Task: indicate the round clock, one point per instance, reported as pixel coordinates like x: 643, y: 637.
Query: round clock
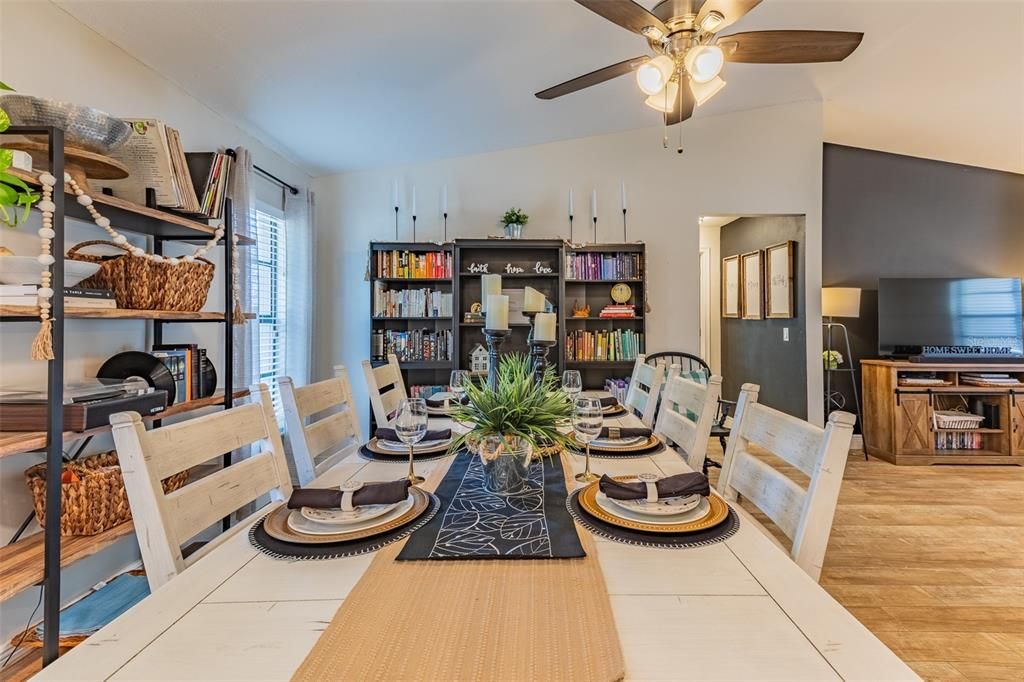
x: 621, y: 292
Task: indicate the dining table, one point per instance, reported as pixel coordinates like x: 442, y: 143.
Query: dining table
x: 739, y: 609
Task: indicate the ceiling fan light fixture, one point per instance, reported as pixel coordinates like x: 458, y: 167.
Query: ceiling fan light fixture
x: 702, y: 92
x: 652, y: 33
x: 712, y: 21
x: 653, y: 75
x: 665, y: 100
x: 704, y: 62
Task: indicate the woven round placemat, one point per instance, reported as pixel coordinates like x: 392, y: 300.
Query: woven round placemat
x: 279, y: 549
x: 398, y: 458
x: 624, y: 454
x: 722, y: 531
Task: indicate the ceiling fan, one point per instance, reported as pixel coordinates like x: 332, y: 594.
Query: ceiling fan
x: 689, y: 53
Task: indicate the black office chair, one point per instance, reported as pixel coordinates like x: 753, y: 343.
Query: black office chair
x: 692, y: 363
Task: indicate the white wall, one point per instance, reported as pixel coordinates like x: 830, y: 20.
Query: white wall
x: 43, y: 51
x: 762, y: 161
x: 711, y: 239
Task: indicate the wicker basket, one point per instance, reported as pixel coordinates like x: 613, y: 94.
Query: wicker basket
x: 142, y: 284
x: 97, y: 501
x: 954, y: 420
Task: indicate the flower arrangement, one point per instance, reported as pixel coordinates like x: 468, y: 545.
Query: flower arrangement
x: 13, y: 192
x: 832, y: 359
x: 515, y: 216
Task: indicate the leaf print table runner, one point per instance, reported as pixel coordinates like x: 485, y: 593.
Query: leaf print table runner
x: 475, y: 523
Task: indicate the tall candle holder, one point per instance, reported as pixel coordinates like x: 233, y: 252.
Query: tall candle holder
x: 495, y: 338
x: 624, y: 240
x: 446, y: 226
x: 530, y: 316
x: 595, y: 229
x: 539, y: 354
x: 414, y: 227
x: 396, y: 223
x: 570, y: 228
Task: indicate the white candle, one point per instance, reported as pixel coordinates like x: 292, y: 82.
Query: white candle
x: 544, y: 327
x: 394, y: 194
x: 414, y: 199
x: 444, y: 199
x: 533, y: 300
x: 571, y: 211
x: 497, y: 312
x: 624, y: 196
x: 593, y: 204
x: 490, y: 285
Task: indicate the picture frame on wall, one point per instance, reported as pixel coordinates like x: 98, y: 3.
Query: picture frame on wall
x: 731, y: 286
x: 779, y: 290
x: 752, y: 285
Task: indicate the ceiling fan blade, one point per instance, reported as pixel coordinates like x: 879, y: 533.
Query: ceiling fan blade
x: 731, y: 10
x: 592, y: 78
x: 789, y: 47
x: 681, y: 113
x: 626, y: 14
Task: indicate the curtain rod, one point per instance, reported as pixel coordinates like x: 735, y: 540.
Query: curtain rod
x: 291, y: 188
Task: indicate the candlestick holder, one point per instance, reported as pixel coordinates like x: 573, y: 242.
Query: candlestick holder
x: 396, y: 223
x: 595, y: 229
x: 570, y: 228
x: 624, y: 240
x: 530, y: 315
x: 446, y: 226
x: 414, y: 227
x: 539, y: 354
x: 495, y: 338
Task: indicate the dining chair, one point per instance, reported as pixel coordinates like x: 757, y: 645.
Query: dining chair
x: 164, y: 522
x: 321, y: 423
x: 386, y: 387
x: 686, y: 415
x: 804, y: 515
x: 645, y: 389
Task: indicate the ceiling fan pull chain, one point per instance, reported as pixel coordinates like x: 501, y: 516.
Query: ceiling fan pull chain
x: 679, y: 149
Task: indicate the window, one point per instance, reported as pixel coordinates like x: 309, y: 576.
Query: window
x: 269, y: 298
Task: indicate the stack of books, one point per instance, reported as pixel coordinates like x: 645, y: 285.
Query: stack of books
x: 74, y: 297
x: 409, y: 265
x: 586, y: 346
x: 410, y: 302
x: 610, y: 266
x: 416, y: 344
x: 989, y: 379
x: 421, y: 391
x: 618, y: 310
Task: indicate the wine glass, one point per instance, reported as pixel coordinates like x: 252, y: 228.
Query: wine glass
x: 411, y: 427
x: 457, y: 383
x: 587, y: 420
x: 572, y: 383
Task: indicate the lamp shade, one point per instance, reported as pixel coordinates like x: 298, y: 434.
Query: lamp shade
x: 840, y: 302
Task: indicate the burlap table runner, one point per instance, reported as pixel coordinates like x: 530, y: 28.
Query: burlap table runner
x: 472, y: 620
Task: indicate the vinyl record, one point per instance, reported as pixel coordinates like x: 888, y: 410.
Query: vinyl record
x: 209, y: 373
x: 137, y: 365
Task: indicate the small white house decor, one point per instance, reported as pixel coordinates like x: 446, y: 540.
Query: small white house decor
x: 478, y: 361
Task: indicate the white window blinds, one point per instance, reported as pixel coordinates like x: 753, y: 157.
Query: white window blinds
x: 270, y: 258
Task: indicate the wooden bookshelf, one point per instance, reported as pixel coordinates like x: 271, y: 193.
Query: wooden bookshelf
x: 12, y: 312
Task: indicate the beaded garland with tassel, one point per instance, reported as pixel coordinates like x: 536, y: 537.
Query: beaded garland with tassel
x: 42, y: 345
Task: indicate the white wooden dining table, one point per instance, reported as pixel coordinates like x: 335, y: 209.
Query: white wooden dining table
x: 737, y: 610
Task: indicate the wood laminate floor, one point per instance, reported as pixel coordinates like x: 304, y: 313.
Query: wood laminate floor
x: 931, y: 559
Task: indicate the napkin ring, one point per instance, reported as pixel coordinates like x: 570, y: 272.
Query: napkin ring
x: 651, y: 481
x: 614, y: 433
x: 348, y: 491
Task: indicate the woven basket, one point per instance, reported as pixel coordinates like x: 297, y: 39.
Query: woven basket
x: 98, y: 501
x: 142, y: 284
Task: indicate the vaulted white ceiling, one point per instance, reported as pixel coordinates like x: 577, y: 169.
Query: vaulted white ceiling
x: 352, y: 84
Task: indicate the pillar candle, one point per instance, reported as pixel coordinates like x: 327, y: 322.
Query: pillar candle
x: 394, y: 194
x: 533, y: 300
x: 544, y: 327
x: 490, y: 285
x: 593, y: 204
x: 571, y: 211
x: 444, y: 199
x: 624, y: 207
x: 497, y: 312
x: 414, y: 199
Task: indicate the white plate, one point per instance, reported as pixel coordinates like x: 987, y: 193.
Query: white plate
x: 618, y: 442
x: 402, y: 447
x: 698, y: 512
x: 338, y: 517
x: 667, y: 506
x: 26, y: 270
x: 300, y: 524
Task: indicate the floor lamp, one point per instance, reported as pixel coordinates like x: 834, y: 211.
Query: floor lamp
x: 841, y: 302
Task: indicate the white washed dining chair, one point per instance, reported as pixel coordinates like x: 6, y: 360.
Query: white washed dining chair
x: 321, y: 423
x: 164, y: 522
x: 804, y: 515
x: 386, y: 388
x: 687, y: 414
x: 645, y: 389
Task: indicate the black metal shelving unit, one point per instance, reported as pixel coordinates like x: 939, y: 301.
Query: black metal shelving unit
x: 141, y: 222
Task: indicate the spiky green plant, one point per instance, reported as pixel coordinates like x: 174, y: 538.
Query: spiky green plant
x: 520, y: 410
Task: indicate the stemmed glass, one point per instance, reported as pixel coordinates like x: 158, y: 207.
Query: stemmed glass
x: 411, y: 427
x: 572, y: 383
x: 587, y: 420
x: 457, y: 383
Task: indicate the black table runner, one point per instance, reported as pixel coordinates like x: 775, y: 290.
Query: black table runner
x: 475, y: 523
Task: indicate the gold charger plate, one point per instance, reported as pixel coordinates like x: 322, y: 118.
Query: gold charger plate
x: 276, y: 524
x: 613, y: 410
x: 651, y: 442
x: 717, y: 513
x: 416, y: 450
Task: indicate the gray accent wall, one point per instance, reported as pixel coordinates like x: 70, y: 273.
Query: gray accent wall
x: 753, y: 351
x: 886, y: 215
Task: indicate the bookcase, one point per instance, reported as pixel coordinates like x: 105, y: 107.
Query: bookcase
x: 437, y: 300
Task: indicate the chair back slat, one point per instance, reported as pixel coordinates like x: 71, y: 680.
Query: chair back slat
x: 317, y: 445
x: 687, y: 415
x: 385, y: 387
x: 645, y: 389
x: 805, y: 516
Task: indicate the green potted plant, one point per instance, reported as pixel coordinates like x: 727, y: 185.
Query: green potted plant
x: 510, y: 424
x: 832, y: 359
x: 514, y: 221
x: 14, y: 193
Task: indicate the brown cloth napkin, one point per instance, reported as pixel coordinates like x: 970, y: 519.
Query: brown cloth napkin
x: 624, y: 432
x: 330, y: 498
x: 439, y: 402
x: 680, y: 485
x: 610, y: 401
x: 389, y: 434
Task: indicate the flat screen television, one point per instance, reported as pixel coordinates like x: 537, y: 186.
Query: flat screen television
x: 968, y: 318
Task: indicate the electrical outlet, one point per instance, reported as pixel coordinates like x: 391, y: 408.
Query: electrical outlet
x: 785, y: 333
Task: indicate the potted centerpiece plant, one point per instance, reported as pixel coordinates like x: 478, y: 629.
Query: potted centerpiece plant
x: 14, y: 193
x: 514, y: 220
x: 511, y: 423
